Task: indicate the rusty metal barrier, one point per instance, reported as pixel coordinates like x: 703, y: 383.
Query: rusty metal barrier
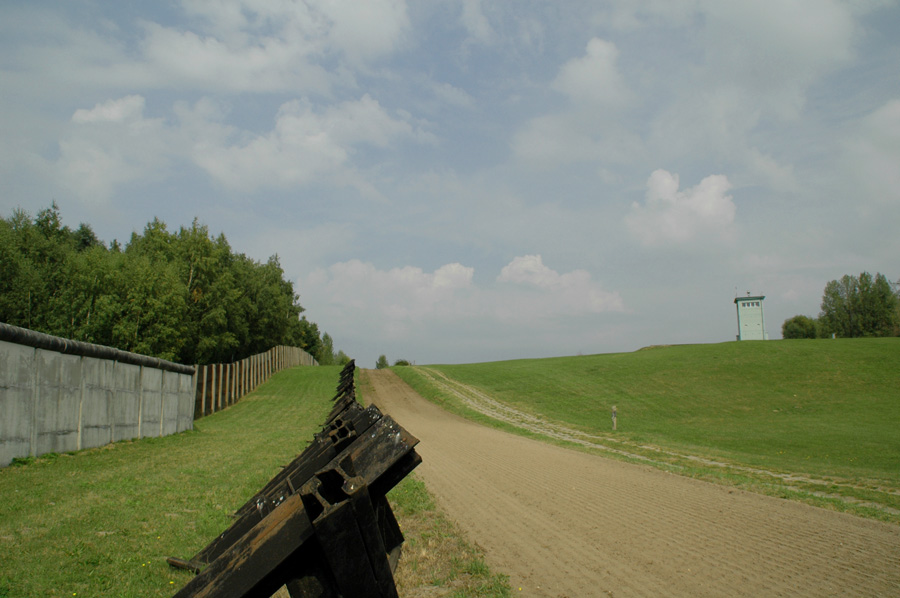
x: 322, y: 526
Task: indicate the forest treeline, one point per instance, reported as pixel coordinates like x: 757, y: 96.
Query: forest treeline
x: 183, y: 295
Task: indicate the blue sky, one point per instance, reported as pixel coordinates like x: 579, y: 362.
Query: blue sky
x: 457, y: 180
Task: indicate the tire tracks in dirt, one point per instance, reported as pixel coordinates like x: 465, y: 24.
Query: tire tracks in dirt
x: 563, y: 523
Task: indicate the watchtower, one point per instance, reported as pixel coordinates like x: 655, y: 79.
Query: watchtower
x: 751, y: 322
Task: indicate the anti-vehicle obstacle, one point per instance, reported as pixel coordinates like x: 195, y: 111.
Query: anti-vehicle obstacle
x: 322, y: 526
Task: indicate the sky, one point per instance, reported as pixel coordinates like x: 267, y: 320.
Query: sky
x: 457, y: 181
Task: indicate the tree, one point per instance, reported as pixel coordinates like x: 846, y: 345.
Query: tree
x: 325, y: 356
x: 342, y: 358
x: 799, y: 327
x: 308, y: 337
x: 182, y: 296
x: 859, y: 306
x: 896, y: 287
x: 382, y: 362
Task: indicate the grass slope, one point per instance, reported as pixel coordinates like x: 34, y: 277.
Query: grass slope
x: 819, y: 407
x: 101, y: 522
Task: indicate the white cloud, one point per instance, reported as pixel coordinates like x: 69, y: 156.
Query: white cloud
x: 113, y: 144
x: 588, y: 128
x: 764, y: 167
x: 187, y: 59
x: 873, y: 154
x: 129, y: 108
x: 110, y: 145
x: 529, y: 269
x: 774, y: 49
x: 569, y: 294
x: 392, y: 301
x: 454, y: 96
x: 407, y: 299
x: 259, y: 46
x: 475, y: 22
x: 769, y: 51
x: 593, y: 79
x: 364, y: 31
x: 568, y: 137
x: 672, y: 216
x: 736, y: 70
x: 452, y: 276
x: 305, y: 144
x: 409, y: 312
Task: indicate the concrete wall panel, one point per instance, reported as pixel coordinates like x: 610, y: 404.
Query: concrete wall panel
x: 96, y: 404
x: 151, y: 402
x: 169, y: 403
x: 16, y: 401
x: 186, y: 402
x: 56, y: 412
x: 126, y: 401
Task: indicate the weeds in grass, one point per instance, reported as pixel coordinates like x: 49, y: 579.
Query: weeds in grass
x: 437, y: 559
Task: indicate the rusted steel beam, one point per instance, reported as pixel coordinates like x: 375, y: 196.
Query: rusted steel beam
x: 352, y: 545
x: 384, y: 443
x: 255, y: 555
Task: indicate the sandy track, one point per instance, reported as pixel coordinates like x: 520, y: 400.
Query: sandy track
x: 563, y: 523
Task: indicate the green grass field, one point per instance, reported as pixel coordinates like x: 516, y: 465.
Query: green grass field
x: 828, y: 409
x: 101, y: 522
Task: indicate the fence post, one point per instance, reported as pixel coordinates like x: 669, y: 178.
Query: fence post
x: 202, y: 383
x: 196, y: 383
x: 210, y: 380
x: 231, y: 382
x: 227, y: 400
x: 231, y: 368
x: 241, y: 378
x: 221, y: 369
x: 212, y: 389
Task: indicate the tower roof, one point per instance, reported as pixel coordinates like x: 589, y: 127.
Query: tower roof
x: 749, y: 298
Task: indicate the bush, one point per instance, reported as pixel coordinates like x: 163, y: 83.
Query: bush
x: 799, y: 327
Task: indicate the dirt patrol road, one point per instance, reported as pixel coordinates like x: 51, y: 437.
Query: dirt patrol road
x: 562, y: 523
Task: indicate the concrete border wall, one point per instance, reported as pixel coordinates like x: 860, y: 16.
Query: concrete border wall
x: 59, y: 396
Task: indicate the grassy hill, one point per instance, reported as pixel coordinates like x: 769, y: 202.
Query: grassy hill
x: 828, y: 409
